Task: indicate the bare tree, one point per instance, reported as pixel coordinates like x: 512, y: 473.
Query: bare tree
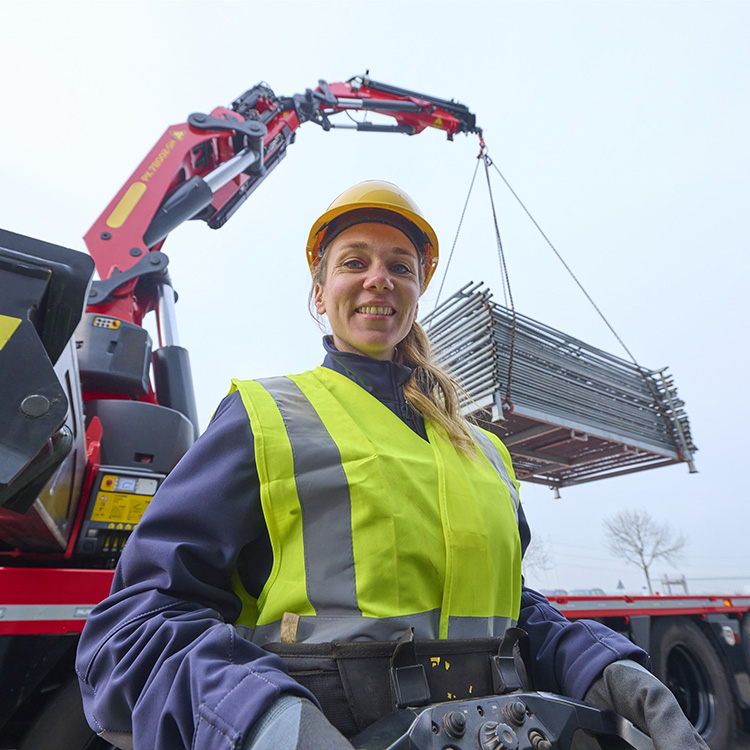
x: 636, y: 537
x: 536, y: 560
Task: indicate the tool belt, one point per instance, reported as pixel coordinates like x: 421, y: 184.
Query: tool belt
x: 358, y: 683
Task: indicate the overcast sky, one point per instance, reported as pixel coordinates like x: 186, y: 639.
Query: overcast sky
x: 623, y: 126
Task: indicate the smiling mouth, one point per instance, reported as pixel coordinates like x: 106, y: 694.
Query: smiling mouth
x: 375, y: 310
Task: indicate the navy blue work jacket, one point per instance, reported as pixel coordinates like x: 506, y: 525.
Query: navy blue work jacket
x: 160, y: 657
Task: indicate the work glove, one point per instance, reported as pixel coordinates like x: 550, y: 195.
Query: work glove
x: 633, y: 692
x: 293, y: 723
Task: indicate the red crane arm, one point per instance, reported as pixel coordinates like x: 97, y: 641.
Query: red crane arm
x: 207, y: 167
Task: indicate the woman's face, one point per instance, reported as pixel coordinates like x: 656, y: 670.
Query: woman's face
x: 371, y: 289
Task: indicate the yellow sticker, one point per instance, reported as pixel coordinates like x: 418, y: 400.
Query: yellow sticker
x: 8, y: 327
x: 447, y: 665
x: 435, y: 660
x: 126, y: 205
x: 178, y: 134
x: 118, y: 508
x: 437, y: 122
x: 111, y: 323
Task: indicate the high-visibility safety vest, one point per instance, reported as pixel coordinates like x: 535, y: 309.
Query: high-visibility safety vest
x: 373, y: 529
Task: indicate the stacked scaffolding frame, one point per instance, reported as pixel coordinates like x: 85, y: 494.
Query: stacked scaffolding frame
x: 578, y: 413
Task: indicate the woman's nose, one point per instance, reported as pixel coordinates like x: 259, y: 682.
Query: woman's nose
x: 378, y: 277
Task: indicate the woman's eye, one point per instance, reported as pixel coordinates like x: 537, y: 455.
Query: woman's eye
x: 402, y: 268
x: 354, y: 264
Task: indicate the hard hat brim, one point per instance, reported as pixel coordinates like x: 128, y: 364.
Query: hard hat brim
x: 318, y: 231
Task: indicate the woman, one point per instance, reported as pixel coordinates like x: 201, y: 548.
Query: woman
x: 349, y: 503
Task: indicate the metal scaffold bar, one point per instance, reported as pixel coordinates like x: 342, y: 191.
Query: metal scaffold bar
x: 578, y: 413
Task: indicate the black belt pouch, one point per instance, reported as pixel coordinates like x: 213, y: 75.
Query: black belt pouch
x: 351, y: 681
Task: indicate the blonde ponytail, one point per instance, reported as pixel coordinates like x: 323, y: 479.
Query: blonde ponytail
x: 432, y: 391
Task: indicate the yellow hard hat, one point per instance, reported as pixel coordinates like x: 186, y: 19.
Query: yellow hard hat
x: 373, y: 199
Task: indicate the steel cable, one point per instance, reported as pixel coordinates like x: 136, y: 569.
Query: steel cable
x: 455, y: 239
x: 641, y: 370
x: 507, y: 403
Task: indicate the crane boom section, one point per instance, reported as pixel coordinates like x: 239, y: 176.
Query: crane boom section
x: 207, y: 167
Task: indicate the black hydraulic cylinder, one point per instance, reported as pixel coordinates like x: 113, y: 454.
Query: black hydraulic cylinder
x: 173, y: 381
x: 185, y: 202
x: 458, y: 110
x: 390, y: 106
x: 371, y: 127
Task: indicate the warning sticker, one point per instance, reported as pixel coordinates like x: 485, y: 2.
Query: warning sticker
x: 8, y: 327
x: 119, y: 507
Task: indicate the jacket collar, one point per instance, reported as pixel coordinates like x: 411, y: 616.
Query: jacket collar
x: 382, y: 378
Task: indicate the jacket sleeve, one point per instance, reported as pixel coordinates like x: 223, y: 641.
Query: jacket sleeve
x: 567, y: 657
x: 161, y: 649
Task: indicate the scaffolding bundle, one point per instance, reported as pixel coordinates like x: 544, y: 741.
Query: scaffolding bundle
x: 572, y: 413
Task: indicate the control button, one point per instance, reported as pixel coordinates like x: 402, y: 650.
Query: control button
x: 516, y: 712
x: 539, y: 741
x: 126, y: 484
x: 494, y: 736
x: 146, y: 486
x: 454, y: 723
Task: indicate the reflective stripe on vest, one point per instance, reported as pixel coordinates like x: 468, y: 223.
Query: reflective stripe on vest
x: 496, y: 458
x: 369, y: 523
x: 315, y: 629
x: 331, y: 587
